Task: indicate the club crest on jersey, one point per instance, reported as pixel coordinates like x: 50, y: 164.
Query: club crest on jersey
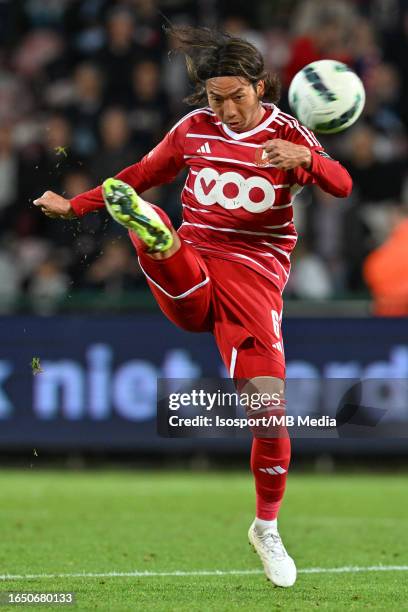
x: 231, y: 190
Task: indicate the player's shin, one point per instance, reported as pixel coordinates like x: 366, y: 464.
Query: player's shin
x: 271, y: 448
x: 270, y: 458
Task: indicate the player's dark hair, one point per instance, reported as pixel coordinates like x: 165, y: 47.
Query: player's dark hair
x: 210, y: 53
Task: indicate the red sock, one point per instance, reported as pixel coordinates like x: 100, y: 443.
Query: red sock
x: 270, y: 458
x: 175, y: 274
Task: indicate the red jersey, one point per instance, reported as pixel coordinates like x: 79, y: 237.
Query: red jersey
x: 233, y: 208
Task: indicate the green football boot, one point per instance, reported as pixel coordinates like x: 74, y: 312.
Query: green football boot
x: 128, y: 209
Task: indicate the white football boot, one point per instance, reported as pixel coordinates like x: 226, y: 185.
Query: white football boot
x: 278, y: 565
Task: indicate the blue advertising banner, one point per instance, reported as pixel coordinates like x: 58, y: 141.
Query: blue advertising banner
x: 97, y: 387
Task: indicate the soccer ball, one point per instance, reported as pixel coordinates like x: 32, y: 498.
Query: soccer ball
x: 326, y: 96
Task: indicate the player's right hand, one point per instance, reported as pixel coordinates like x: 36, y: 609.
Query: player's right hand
x: 55, y: 206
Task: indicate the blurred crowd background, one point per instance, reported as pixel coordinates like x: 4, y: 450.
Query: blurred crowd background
x: 89, y: 86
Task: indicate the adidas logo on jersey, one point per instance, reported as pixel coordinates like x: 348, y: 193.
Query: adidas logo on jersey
x: 205, y: 148
x: 276, y: 469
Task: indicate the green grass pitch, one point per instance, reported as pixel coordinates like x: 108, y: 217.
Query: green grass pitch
x: 112, y: 521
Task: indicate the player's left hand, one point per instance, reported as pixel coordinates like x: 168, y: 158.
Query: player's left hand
x: 286, y: 155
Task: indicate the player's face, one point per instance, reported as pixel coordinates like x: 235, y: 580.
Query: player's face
x: 236, y: 102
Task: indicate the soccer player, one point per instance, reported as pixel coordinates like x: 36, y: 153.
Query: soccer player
x: 225, y: 268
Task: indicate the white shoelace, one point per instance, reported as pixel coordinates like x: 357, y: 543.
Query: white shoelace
x: 273, y: 544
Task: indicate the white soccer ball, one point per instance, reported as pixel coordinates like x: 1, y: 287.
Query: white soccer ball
x: 326, y: 96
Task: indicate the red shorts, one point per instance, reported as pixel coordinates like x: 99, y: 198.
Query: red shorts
x: 240, y: 307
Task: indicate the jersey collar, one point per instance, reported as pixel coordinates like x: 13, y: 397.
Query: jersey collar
x: 255, y: 130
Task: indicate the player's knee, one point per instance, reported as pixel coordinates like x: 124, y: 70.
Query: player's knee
x: 265, y: 407
x: 268, y: 388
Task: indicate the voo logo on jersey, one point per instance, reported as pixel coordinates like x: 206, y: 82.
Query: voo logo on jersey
x: 231, y: 190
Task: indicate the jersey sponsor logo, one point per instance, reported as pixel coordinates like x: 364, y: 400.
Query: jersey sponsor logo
x: 231, y: 190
